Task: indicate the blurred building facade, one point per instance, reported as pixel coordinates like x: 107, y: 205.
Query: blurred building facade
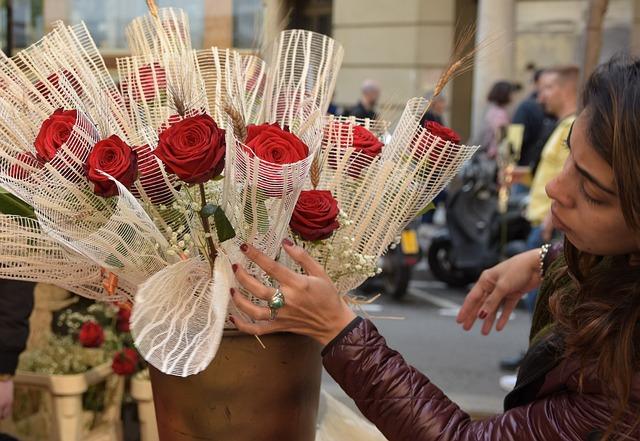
x: 404, y: 45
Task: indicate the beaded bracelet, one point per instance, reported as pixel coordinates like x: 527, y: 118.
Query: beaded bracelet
x: 544, y: 249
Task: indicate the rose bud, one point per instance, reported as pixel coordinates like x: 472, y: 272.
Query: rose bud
x: 114, y: 157
x: 315, y: 215
x: 91, y: 335
x: 125, y: 362
x: 193, y: 149
x: 54, y: 132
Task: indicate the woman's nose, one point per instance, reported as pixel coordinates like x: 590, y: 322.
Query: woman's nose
x: 558, y: 189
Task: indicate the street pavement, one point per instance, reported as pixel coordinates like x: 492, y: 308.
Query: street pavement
x: 463, y: 364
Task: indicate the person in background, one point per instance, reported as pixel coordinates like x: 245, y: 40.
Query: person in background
x: 16, y: 304
x: 436, y: 109
x: 558, y: 94
x: 496, y: 118
x: 538, y: 125
x: 366, y: 107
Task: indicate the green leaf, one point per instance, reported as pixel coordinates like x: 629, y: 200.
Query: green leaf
x: 428, y: 208
x: 10, y: 204
x: 224, y: 229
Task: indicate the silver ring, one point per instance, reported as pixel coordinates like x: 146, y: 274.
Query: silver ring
x: 277, y: 301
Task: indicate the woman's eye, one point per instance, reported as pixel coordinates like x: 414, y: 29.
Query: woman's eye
x: 588, y: 198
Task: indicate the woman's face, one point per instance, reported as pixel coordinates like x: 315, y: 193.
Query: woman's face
x: 585, y: 204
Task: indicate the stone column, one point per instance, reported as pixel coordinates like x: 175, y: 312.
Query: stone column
x: 635, y: 29
x: 496, y: 23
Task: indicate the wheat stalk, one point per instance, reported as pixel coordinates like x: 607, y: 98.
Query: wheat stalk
x: 153, y: 8
x: 239, y: 126
x: 461, y: 61
x: 315, y: 172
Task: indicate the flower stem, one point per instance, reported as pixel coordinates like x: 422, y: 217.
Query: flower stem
x: 213, y: 253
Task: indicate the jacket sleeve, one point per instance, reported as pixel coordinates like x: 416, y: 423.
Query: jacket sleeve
x: 405, y: 405
x: 16, y: 304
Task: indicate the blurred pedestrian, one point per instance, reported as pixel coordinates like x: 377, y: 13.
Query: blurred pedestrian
x: 538, y: 125
x: 16, y: 304
x: 366, y: 107
x: 496, y: 118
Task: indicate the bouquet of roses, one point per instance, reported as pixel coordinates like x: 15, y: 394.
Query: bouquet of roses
x: 142, y: 194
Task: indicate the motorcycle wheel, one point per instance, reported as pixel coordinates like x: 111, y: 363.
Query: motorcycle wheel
x: 442, y: 268
x: 396, y: 276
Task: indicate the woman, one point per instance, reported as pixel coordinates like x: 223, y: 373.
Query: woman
x: 496, y: 118
x: 581, y: 377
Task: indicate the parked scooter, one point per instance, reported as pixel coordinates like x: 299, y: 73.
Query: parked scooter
x: 477, y: 232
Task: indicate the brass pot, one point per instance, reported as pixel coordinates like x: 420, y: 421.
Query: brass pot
x: 246, y: 394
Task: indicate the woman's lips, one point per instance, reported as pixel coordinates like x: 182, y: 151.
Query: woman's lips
x: 557, y: 222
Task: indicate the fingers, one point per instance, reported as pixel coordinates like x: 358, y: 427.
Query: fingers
x: 488, y: 323
x: 252, y: 285
x: 251, y: 310
x: 258, y: 328
x: 493, y: 301
x: 302, y: 258
x: 5, y: 412
x: 507, y: 309
x: 474, y: 300
x: 271, y: 267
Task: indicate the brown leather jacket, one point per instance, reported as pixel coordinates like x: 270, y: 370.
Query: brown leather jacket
x: 546, y: 404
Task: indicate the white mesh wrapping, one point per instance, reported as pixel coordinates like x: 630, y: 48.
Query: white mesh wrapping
x: 380, y: 196
x: 179, y: 315
x: 221, y: 71
x: 253, y: 88
x: 259, y: 196
x: 169, y: 32
x: 27, y: 253
x: 157, y: 88
x: 151, y: 236
x: 305, y: 68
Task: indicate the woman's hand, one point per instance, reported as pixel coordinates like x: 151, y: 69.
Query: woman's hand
x: 500, y: 286
x: 313, y: 306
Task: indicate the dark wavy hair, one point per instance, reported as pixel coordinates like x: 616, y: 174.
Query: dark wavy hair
x: 599, y: 317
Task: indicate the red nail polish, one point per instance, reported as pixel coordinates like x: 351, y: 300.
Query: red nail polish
x: 287, y: 242
x: 234, y: 267
x: 232, y: 320
x: 232, y: 291
x: 482, y: 315
x: 244, y: 247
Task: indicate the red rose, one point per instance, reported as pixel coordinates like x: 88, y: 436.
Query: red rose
x: 54, y: 81
x: 115, y: 157
x: 152, y: 180
x: 314, y: 216
x: 22, y: 169
x: 445, y: 133
x: 150, y: 75
x: 54, y: 132
x: 436, y: 146
x: 124, y: 316
x: 91, y: 335
x: 273, y: 144
x: 125, y: 362
x: 365, y: 144
x: 193, y: 149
